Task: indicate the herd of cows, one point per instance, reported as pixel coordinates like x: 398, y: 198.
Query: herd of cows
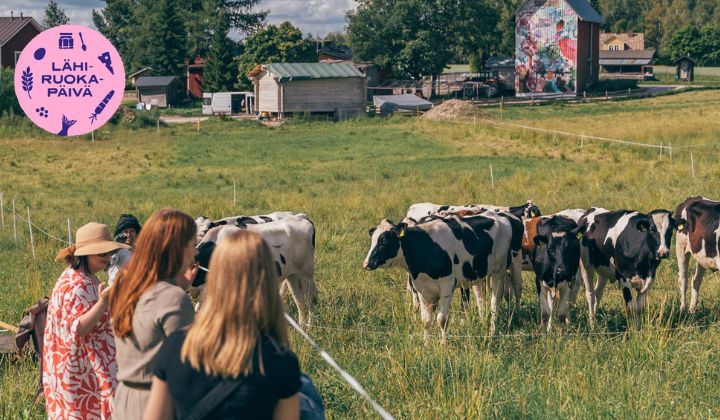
x: 444, y: 248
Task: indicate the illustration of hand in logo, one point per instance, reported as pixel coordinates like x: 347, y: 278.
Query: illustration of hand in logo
x: 66, y: 124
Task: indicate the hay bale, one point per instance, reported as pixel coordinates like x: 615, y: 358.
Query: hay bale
x: 454, y: 109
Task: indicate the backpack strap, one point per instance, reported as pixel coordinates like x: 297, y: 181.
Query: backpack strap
x: 212, y: 399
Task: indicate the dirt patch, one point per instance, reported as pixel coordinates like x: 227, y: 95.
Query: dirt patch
x: 454, y: 109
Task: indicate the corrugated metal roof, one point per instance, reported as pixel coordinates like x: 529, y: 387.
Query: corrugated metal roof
x: 152, y: 81
x: 303, y: 71
x: 626, y: 62
x: 627, y: 54
x: 9, y: 26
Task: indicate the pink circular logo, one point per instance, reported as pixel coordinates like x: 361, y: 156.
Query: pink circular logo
x: 69, y: 80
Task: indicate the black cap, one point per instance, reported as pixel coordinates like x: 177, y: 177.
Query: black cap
x: 127, y: 221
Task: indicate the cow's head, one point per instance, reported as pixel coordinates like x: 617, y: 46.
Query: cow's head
x: 664, y: 223
x: 202, y: 257
x: 526, y: 211
x: 384, y: 245
x: 203, y: 225
x: 556, y: 256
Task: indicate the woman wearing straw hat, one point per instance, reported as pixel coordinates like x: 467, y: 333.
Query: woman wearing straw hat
x: 235, y: 359
x: 79, y: 355
x: 149, y: 302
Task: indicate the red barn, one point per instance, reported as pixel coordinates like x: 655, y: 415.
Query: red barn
x: 15, y: 34
x: 194, y: 77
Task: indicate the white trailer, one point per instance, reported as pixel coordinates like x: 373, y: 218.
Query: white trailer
x: 228, y: 103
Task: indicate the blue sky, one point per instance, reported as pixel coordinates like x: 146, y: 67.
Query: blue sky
x: 312, y: 16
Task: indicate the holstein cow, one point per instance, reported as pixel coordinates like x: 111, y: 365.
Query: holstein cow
x: 292, y: 243
x: 204, y: 224
x: 699, y: 236
x: 441, y: 253
x: 623, y: 245
x: 555, y: 259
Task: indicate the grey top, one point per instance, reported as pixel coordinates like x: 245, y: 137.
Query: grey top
x: 118, y: 260
x: 160, y: 311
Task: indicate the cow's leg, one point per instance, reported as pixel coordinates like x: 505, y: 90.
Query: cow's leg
x: 443, y: 316
x: 682, y: 258
x: 575, y: 289
x: 564, y: 305
x: 298, y: 288
x: 545, y: 309
x: 630, y: 304
x: 696, y: 282
x: 413, y: 292
x: 498, y: 279
x: 426, y: 316
x: 478, y: 288
x: 640, y: 307
x: 516, y: 272
x: 587, y: 273
x: 599, y: 290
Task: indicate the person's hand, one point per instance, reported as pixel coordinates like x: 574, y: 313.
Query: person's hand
x: 104, y: 292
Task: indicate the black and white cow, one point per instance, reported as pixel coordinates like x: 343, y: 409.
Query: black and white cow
x: 204, y: 224
x: 626, y: 246
x: 419, y: 210
x: 292, y: 243
x: 555, y: 260
x: 698, y: 235
x: 440, y: 254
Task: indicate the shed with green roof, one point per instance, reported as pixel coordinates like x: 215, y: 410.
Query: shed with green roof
x: 335, y: 89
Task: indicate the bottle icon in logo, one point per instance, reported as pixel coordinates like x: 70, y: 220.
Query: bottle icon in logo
x: 65, y: 41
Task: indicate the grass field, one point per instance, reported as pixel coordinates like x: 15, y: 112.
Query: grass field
x: 347, y: 176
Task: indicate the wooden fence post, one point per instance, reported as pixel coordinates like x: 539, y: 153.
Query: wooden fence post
x: 692, y: 164
x: 32, y: 240
x: 2, y: 210
x: 14, y: 221
x: 492, y: 177
x: 69, y: 233
x: 234, y: 193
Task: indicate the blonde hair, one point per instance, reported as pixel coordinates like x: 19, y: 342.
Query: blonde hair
x: 241, y: 303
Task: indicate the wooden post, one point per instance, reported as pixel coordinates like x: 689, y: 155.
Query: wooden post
x: 584, y: 95
x: 474, y: 121
x: 661, y: 147
x: 692, y: 164
x: 69, y: 233
x: 158, y: 125
x: 234, y: 193
x: 198, y: 126
x: 492, y: 177
x: 502, y: 106
x: 92, y: 135
x: 670, y: 149
x: 606, y: 94
x: 2, y: 210
x: 32, y: 240
x: 582, y: 139
x: 14, y: 221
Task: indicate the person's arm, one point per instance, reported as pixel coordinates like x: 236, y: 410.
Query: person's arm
x: 159, y: 404
x: 88, y: 320
x: 287, y: 408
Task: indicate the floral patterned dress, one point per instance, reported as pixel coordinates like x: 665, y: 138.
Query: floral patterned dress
x: 80, y: 373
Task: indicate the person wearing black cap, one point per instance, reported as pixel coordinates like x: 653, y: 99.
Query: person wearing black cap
x: 126, y: 231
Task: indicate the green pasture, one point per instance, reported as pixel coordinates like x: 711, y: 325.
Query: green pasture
x: 347, y: 177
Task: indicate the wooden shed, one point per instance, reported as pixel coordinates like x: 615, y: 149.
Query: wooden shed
x: 162, y: 91
x: 336, y: 89
x: 556, y: 47
x: 685, y: 69
x: 15, y: 34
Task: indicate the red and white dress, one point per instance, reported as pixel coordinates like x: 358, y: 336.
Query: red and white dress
x: 79, y: 373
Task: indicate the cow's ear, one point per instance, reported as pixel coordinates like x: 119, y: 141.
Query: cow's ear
x: 578, y: 231
x: 643, y: 225
x: 679, y: 224
x: 371, y: 231
x: 540, y: 241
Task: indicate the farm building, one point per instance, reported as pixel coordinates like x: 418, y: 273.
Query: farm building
x: 15, y: 34
x: 160, y: 91
x: 195, y: 77
x: 140, y: 73
x: 622, y: 41
x: 684, y: 69
x: 556, y: 47
x: 337, y: 89
x: 626, y: 64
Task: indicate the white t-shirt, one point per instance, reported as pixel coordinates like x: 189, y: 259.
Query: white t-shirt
x: 117, y: 262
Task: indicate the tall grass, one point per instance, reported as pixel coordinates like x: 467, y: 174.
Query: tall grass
x: 347, y: 176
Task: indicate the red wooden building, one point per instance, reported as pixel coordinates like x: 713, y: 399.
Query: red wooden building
x: 15, y: 34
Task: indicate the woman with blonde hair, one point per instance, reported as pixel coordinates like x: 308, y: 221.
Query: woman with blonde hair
x: 235, y: 360
x: 79, y: 351
x: 149, y: 303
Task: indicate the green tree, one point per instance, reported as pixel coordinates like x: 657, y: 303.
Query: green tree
x: 118, y: 22
x: 273, y: 44
x: 710, y: 46
x: 686, y: 42
x: 220, y: 71
x: 8, y: 100
x: 157, y: 42
x: 54, y: 15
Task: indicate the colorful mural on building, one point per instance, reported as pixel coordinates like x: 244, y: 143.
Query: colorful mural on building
x: 546, y: 48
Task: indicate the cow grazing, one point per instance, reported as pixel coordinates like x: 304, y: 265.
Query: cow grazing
x: 204, y: 224
x: 622, y: 245
x: 555, y: 260
x: 292, y: 243
x: 440, y: 254
x: 698, y: 220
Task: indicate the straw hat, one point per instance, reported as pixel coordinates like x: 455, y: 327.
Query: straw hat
x: 94, y: 238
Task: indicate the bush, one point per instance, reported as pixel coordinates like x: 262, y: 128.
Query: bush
x: 8, y: 101
x: 613, y: 85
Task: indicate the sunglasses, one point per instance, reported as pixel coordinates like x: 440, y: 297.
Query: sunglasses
x: 106, y: 254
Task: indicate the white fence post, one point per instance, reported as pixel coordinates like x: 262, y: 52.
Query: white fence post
x: 670, y: 149
x: 69, y: 233
x: 582, y: 139
x: 2, y: 210
x: 32, y: 240
x: 14, y: 221
x: 234, y: 193
x: 661, y: 147
x: 492, y: 177
x: 692, y: 164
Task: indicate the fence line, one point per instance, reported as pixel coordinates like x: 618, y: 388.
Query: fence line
x: 38, y: 228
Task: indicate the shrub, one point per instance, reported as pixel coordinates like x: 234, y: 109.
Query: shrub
x: 8, y: 101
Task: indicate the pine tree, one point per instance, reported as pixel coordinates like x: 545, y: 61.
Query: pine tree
x: 220, y: 71
x: 157, y: 42
x: 54, y: 16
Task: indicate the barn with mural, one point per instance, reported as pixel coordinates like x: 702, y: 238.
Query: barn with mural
x: 557, y: 44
